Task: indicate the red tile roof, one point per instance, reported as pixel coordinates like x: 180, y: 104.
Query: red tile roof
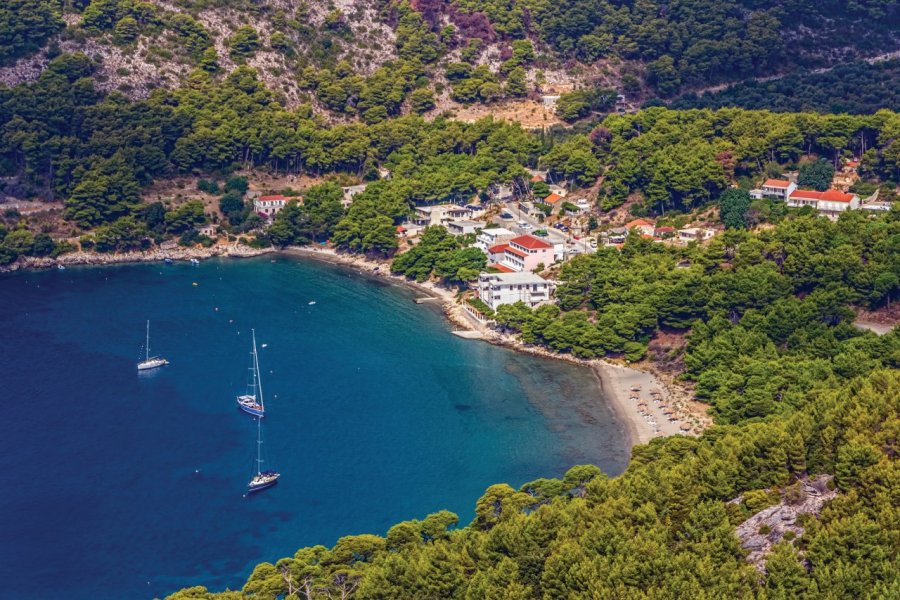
x: 638, y: 223
x: 536, y: 178
x: 837, y: 196
x: 518, y: 253
x: 502, y: 268
x: 830, y: 195
x: 552, y: 198
x: 498, y: 248
x: 665, y: 229
x: 530, y: 242
x: 777, y: 183
x: 400, y: 228
x: 273, y: 197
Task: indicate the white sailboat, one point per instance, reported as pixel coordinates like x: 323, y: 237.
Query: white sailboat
x: 150, y: 362
x: 252, y: 402
x: 262, y: 479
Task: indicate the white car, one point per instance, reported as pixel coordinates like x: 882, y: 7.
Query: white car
x: 524, y: 225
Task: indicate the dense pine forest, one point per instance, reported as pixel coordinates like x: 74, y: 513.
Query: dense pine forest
x: 100, y: 99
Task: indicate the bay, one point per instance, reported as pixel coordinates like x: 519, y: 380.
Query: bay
x: 115, y: 485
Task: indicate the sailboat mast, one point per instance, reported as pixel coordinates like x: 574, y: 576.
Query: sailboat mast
x: 147, y: 345
x: 256, y: 369
x: 258, y: 445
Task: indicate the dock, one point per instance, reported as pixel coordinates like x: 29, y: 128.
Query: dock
x: 426, y: 299
x: 468, y: 335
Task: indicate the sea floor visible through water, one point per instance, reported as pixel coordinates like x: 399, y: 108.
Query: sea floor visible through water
x: 120, y: 485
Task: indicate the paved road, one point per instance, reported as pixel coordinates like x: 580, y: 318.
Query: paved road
x: 555, y: 236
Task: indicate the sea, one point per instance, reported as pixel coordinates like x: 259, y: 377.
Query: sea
x: 115, y: 484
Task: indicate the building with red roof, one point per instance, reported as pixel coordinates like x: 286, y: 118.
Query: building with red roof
x: 643, y: 226
x: 776, y: 189
x: 829, y: 203
x: 552, y: 199
x: 523, y: 253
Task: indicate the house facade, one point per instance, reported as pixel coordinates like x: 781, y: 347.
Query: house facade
x: 776, y: 189
x: 269, y: 206
x: 524, y: 253
x: 496, y: 289
x: 464, y: 227
x: 644, y: 227
x: 441, y: 214
x: 493, y: 236
x: 695, y: 234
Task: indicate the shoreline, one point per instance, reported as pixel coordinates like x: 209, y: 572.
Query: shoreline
x: 660, y: 414
x: 626, y: 388
x: 90, y: 258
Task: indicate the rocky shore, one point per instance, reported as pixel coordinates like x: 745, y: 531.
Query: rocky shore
x: 177, y: 253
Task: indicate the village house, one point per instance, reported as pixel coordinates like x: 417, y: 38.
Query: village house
x: 644, y: 227
x: 269, y: 206
x: 409, y: 230
x: 552, y: 199
x: 496, y: 289
x: 523, y: 253
x: 776, y: 189
x: 695, y: 234
x: 830, y: 203
x: 663, y: 233
x: 441, y: 214
x: 464, y: 227
x: 349, y: 192
x: 614, y: 236
x: 493, y: 236
x: 209, y: 230
x: 558, y: 190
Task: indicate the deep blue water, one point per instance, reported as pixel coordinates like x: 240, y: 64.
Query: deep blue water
x: 119, y: 486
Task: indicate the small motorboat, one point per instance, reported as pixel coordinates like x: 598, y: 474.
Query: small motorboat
x: 312, y: 302
x: 60, y: 267
x: 194, y: 261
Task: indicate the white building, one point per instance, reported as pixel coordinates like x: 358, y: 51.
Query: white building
x: 778, y: 189
x: 493, y: 236
x: 464, y: 227
x: 695, y: 234
x: 496, y: 289
x: 349, y: 192
x: 269, y: 206
x: 830, y: 203
x: 441, y: 214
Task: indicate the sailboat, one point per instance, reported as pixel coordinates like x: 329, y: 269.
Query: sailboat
x: 252, y: 402
x: 262, y: 479
x: 150, y: 362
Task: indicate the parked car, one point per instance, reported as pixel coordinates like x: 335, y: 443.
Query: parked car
x: 541, y: 232
x: 505, y: 216
x: 524, y: 225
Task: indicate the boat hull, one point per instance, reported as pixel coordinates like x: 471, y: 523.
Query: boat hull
x: 266, y: 480
x: 152, y: 364
x: 261, y: 486
x: 250, y: 409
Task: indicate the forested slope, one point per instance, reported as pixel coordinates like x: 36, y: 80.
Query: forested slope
x: 461, y: 50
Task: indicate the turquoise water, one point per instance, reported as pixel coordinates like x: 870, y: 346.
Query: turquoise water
x: 119, y: 486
